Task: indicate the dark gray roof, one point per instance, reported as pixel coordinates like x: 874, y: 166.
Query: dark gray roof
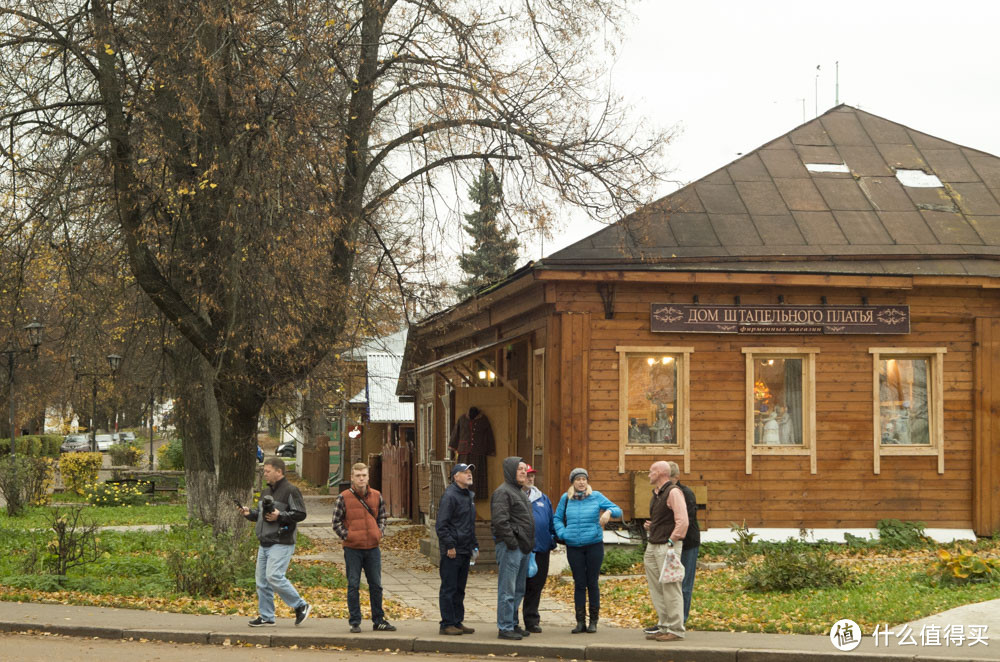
x: 768, y: 211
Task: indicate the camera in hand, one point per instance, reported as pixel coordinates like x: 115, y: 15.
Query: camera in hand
x: 267, y: 504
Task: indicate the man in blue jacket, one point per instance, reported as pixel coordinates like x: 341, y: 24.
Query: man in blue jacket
x: 545, y: 542
x: 456, y: 532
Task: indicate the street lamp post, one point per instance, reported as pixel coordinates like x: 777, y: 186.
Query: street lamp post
x: 115, y: 362
x: 34, y: 331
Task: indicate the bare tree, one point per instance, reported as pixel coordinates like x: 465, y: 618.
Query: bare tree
x: 243, y: 151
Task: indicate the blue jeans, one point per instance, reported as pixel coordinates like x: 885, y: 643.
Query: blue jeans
x: 451, y: 598
x: 689, y: 559
x: 512, y: 572
x: 370, y: 560
x: 585, y: 562
x: 272, y: 562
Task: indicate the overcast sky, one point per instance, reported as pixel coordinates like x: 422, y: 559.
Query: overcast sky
x: 733, y: 75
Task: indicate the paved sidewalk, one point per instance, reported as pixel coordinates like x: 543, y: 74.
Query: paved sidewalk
x: 609, y: 644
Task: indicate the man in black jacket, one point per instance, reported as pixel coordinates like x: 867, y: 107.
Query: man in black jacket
x: 281, y: 508
x: 514, y: 532
x: 692, y: 540
x: 456, y: 532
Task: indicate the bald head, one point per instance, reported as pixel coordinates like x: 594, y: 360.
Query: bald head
x: 659, y: 473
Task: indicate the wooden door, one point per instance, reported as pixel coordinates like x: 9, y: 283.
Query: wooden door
x: 499, y: 406
x: 986, y: 477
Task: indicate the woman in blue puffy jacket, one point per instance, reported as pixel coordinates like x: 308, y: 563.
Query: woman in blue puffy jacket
x: 580, y: 519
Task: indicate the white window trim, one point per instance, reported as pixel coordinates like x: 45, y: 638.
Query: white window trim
x: 935, y: 406
x: 808, y: 447
x: 683, y: 415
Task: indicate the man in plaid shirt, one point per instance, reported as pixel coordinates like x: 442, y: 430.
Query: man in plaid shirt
x: 359, y: 519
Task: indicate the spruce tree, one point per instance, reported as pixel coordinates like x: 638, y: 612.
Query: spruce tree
x: 493, y: 254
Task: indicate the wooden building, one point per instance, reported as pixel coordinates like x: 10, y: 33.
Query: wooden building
x: 812, y: 332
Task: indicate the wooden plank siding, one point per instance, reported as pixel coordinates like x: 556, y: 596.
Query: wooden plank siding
x: 780, y: 492
x: 986, y: 480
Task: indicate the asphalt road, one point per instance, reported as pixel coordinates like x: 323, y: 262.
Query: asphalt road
x: 46, y: 648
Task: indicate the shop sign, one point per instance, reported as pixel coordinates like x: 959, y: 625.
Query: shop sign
x: 778, y: 319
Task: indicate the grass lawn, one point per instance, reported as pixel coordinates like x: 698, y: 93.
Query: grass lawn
x: 37, y: 517
x: 886, y: 590
x: 132, y: 572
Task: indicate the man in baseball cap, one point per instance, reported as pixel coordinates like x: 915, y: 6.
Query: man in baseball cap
x: 456, y: 532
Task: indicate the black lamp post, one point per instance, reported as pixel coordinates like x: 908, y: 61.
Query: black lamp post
x: 34, y: 332
x: 115, y: 362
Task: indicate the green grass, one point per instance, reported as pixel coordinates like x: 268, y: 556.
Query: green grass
x: 36, y: 517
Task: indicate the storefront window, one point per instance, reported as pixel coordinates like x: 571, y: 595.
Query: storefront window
x: 652, y: 399
x: 777, y: 394
x: 902, y: 394
x: 653, y: 402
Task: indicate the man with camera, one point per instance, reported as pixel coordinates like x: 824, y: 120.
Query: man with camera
x: 359, y: 520
x: 281, y: 508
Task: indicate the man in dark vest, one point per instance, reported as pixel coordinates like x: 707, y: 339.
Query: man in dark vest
x: 280, y: 508
x: 359, y: 519
x: 666, y: 529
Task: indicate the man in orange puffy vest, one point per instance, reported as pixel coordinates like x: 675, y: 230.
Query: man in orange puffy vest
x: 359, y: 519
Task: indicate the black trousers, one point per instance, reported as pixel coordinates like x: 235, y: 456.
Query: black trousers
x: 585, y: 562
x: 451, y: 597
x: 533, y: 589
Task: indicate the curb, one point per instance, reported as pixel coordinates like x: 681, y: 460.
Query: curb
x: 639, y: 652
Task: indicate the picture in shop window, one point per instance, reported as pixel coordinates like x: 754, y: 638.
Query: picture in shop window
x: 777, y: 396
x: 652, y: 399
x: 903, y: 401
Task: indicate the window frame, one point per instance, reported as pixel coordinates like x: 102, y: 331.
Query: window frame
x: 808, y: 447
x: 682, y: 416
x: 935, y: 405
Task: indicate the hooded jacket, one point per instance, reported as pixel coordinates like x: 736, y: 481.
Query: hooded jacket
x: 578, y: 519
x: 510, y: 511
x: 545, y: 532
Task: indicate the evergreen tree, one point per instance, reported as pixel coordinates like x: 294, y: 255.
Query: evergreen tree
x: 494, y: 251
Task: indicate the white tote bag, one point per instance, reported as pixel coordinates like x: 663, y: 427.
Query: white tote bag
x: 673, y: 570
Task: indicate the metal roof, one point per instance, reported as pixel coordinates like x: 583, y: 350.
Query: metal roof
x: 394, y: 343
x: 383, y: 403
x: 831, y: 196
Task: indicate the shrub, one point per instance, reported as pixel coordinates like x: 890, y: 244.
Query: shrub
x: 170, y: 455
x: 963, y: 567
x: 74, y: 542
x: 209, y: 564
x: 125, y: 455
x: 29, y: 445
x: 895, y: 534
x: 743, y: 549
x: 25, y: 481
x: 789, y: 569
x: 620, y: 561
x: 79, y: 470
x: 112, y: 493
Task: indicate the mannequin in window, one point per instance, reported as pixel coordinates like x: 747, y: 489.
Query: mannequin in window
x: 771, y: 433
x: 786, y: 431
x: 471, y: 441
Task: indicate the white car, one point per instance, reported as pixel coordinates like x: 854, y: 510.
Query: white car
x: 105, y: 441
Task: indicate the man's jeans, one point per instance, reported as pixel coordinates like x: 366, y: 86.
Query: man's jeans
x: 451, y: 598
x: 512, y: 572
x: 689, y: 559
x: 370, y: 560
x: 272, y: 562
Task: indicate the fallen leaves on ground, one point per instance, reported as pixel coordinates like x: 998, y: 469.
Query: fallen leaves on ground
x: 403, y: 538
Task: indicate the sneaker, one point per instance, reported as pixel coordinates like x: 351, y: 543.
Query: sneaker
x: 451, y: 630
x: 466, y: 630
x: 652, y: 629
x: 261, y: 623
x: 355, y: 629
x: 384, y: 626
x: 522, y: 632
x: 302, y: 613
x: 534, y: 628
x: 509, y: 634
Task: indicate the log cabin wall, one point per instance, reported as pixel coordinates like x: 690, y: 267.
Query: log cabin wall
x: 780, y: 491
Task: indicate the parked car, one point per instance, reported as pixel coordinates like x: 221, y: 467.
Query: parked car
x: 286, y: 449
x: 260, y: 453
x: 75, y: 443
x: 105, y: 442
x: 124, y: 437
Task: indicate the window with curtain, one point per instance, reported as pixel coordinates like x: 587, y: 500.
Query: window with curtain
x: 777, y: 401
x: 652, y: 391
x: 903, y: 400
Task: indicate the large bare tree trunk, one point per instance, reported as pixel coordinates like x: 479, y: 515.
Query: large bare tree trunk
x: 198, y: 425
x: 240, y: 406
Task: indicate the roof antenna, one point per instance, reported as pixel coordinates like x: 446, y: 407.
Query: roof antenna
x: 816, y: 94
x: 836, y: 87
